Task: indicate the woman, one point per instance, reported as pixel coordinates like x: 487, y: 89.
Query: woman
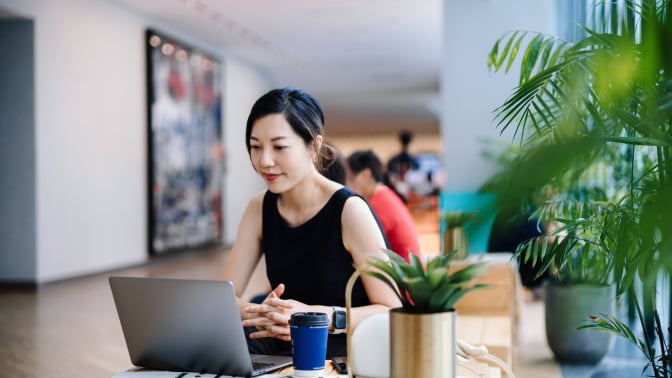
x: 310, y: 229
x: 365, y: 176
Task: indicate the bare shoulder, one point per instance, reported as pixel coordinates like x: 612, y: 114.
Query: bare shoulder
x: 257, y: 200
x: 361, y: 234
x: 355, y: 206
x: 254, y: 209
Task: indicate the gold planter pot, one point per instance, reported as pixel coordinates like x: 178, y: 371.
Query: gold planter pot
x: 422, y: 345
x: 455, y: 239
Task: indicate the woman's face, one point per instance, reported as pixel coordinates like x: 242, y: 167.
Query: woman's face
x: 279, y: 154
x: 357, y: 181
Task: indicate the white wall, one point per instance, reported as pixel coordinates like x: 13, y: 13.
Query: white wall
x: 91, y: 134
x: 241, y: 88
x: 469, y: 93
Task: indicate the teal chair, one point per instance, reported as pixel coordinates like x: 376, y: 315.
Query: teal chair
x: 478, y: 230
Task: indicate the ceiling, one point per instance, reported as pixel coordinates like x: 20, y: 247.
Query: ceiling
x: 373, y: 64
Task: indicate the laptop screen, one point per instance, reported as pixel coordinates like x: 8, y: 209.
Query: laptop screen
x: 183, y: 325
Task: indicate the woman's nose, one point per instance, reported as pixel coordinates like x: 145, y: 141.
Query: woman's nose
x: 266, y: 158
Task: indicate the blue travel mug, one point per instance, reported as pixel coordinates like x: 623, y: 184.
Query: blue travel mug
x: 309, y: 331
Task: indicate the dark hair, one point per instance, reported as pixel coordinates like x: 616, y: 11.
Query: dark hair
x: 302, y: 111
x: 361, y: 160
x: 405, y: 137
x: 335, y: 171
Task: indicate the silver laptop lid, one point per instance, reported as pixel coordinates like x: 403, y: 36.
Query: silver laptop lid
x: 182, y: 325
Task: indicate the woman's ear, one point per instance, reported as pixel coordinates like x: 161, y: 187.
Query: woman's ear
x: 317, y: 144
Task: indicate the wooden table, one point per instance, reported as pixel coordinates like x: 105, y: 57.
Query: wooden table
x: 329, y: 370
x: 469, y: 369
x: 466, y: 369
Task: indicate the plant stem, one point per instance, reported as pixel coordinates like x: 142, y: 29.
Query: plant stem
x: 650, y: 354
x: 659, y: 331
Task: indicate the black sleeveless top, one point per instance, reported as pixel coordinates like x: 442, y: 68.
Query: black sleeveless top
x: 310, y: 259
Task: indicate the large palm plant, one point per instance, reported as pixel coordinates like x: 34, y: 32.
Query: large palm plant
x: 605, y: 98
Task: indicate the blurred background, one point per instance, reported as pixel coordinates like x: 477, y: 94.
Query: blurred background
x: 74, y: 110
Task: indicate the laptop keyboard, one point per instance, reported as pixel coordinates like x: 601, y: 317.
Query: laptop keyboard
x: 260, y: 365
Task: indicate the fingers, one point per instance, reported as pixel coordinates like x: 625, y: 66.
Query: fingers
x: 276, y: 331
x: 259, y: 322
x: 269, y: 319
x: 276, y: 293
x: 269, y: 305
x: 279, y: 290
x: 272, y: 300
x: 278, y: 303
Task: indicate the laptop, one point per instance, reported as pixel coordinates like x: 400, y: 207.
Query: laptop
x: 187, y: 326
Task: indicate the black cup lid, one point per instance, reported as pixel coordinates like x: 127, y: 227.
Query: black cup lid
x: 310, y: 319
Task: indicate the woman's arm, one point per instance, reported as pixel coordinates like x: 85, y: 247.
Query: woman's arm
x: 364, y: 239
x: 246, y: 251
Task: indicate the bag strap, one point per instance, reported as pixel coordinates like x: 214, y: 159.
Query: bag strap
x: 467, y: 352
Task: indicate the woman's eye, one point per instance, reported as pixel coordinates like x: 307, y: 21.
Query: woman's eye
x: 253, y: 147
x: 280, y: 147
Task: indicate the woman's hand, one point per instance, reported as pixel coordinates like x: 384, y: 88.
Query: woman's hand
x: 271, y: 317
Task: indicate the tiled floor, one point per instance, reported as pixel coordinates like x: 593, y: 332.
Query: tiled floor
x: 535, y: 359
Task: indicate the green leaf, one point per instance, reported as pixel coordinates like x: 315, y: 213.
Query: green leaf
x: 610, y: 324
x: 467, y: 274
x: 514, y: 52
x: 530, y: 58
x: 416, y: 263
x: 456, y: 295
x: 419, y: 290
x: 440, y: 298
x: 437, y: 276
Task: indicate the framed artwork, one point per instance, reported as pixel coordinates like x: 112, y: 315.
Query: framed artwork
x: 185, y: 156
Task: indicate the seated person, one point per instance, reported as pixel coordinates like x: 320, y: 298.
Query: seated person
x: 312, y: 231
x: 365, y: 176
x: 401, y: 164
x: 510, y: 230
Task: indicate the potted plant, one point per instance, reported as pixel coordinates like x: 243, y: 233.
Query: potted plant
x: 607, y: 94
x: 454, y: 235
x: 422, y: 331
x: 580, y: 282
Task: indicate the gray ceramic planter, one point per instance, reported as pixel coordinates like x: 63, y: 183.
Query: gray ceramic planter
x: 567, y: 308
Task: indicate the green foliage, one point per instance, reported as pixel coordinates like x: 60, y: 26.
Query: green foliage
x: 578, y: 250
x: 425, y: 290
x: 454, y: 219
x: 605, y: 100
x: 610, y: 324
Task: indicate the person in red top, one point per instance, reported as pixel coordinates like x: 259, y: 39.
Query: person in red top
x: 365, y: 175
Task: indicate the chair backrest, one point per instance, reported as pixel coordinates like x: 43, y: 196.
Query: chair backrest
x: 478, y: 230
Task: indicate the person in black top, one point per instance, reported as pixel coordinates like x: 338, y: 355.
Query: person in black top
x: 312, y: 231
x: 400, y: 164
